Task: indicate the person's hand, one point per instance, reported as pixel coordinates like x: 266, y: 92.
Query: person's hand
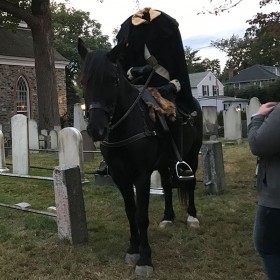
x: 266, y: 108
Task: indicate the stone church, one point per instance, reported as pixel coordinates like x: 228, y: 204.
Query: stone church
x: 18, y: 89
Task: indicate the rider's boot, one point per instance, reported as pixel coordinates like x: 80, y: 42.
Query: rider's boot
x: 183, y: 171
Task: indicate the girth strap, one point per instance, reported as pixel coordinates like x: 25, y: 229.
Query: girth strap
x: 128, y: 140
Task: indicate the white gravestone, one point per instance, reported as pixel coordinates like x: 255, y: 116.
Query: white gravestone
x: 70, y: 148
x: 252, y: 108
x: 33, y: 136
x: 232, y: 125
x: 20, y: 153
x: 54, y: 139
x: 3, y: 167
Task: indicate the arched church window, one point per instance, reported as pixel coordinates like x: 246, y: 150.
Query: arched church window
x: 23, y: 104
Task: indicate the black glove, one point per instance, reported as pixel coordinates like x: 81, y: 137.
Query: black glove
x: 167, y: 91
x: 143, y: 71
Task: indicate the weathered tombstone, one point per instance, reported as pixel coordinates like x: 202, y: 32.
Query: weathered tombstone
x: 252, y: 108
x: 213, y: 167
x: 20, y: 153
x: 57, y: 128
x: 44, y: 132
x: 88, y: 145
x: 70, y: 148
x: 54, y: 139
x: 232, y: 126
x: 33, y: 136
x: 3, y: 167
x: 79, y: 120
x: 70, y: 208
x: 210, y: 122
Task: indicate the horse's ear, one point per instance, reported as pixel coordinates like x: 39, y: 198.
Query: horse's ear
x: 116, y: 52
x: 82, y: 50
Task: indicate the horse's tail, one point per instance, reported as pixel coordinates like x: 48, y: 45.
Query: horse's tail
x: 183, y: 195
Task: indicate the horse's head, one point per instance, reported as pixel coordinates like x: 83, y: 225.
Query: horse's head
x: 100, y: 77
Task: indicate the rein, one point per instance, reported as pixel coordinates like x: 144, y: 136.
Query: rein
x: 134, y: 103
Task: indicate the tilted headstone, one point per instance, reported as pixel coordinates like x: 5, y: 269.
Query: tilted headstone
x: 33, y: 136
x: 20, y: 153
x: 3, y: 167
x: 88, y: 146
x: 70, y: 148
x: 44, y: 132
x: 79, y: 120
x: 232, y: 126
x: 210, y: 122
x: 70, y: 208
x: 213, y: 167
x: 252, y: 108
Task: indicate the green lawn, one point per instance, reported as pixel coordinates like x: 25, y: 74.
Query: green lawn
x: 221, y: 248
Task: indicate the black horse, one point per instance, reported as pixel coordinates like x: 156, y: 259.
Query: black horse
x: 134, y: 146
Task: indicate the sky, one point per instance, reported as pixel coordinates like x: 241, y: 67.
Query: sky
x: 197, y: 30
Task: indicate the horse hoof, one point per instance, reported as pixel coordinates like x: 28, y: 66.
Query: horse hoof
x: 132, y: 259
x: 165, y: 223
x: 144, y: 270
x: 193, y: 222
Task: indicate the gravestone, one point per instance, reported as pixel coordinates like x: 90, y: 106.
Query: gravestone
x: 79, y: 120
x: 20, y: 153
x: 3, y: 167
x: 156, y: 180
x: 53, y: 139
x: 33, y: 136
x: 88, y: 145
x: 70, y: 148
x: 232, y: 126
x: 213, y: 167
x: 210, y: 122
x: 44, y: 132
x: 69, y: 201
x: 252, y: 108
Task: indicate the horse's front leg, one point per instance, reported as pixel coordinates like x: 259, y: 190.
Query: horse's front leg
x: 169, y: 214
x: 144, y: 265
x: 132, y: 254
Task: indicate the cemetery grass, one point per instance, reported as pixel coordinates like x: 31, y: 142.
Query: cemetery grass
x: 221, y: 248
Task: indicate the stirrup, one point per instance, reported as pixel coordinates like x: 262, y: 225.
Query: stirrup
x: 183, y: 171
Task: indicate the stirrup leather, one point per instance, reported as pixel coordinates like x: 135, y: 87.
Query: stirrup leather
x: 185, y: 168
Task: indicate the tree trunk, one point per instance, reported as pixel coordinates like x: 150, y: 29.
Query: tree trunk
x: 44, y: 65
x: 39, y: 21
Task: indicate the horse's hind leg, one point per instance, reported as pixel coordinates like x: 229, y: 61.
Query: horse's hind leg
x: 169, y: 214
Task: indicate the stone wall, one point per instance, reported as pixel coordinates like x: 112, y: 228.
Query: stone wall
x: 9, y: 75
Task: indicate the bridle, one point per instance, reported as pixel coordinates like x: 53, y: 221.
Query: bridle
x: 110, y: 112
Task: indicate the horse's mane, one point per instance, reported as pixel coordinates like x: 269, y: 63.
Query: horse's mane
x: 94, y: 66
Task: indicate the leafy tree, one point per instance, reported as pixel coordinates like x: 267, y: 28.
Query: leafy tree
x: 68, y: 25
x: 37, y: 14
x: 196, y: 64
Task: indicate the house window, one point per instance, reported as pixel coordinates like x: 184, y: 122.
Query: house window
x: 215, y: 90
x: 205, y: 90
x: 23, y: 105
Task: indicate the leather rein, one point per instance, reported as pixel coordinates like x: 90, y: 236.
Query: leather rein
x: 97, y: 105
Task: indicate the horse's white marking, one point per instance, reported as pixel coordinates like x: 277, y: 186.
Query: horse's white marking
x: 165, y: 223
x: 132, y: 259
x: 193, y: 222
x: 144, y: 271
